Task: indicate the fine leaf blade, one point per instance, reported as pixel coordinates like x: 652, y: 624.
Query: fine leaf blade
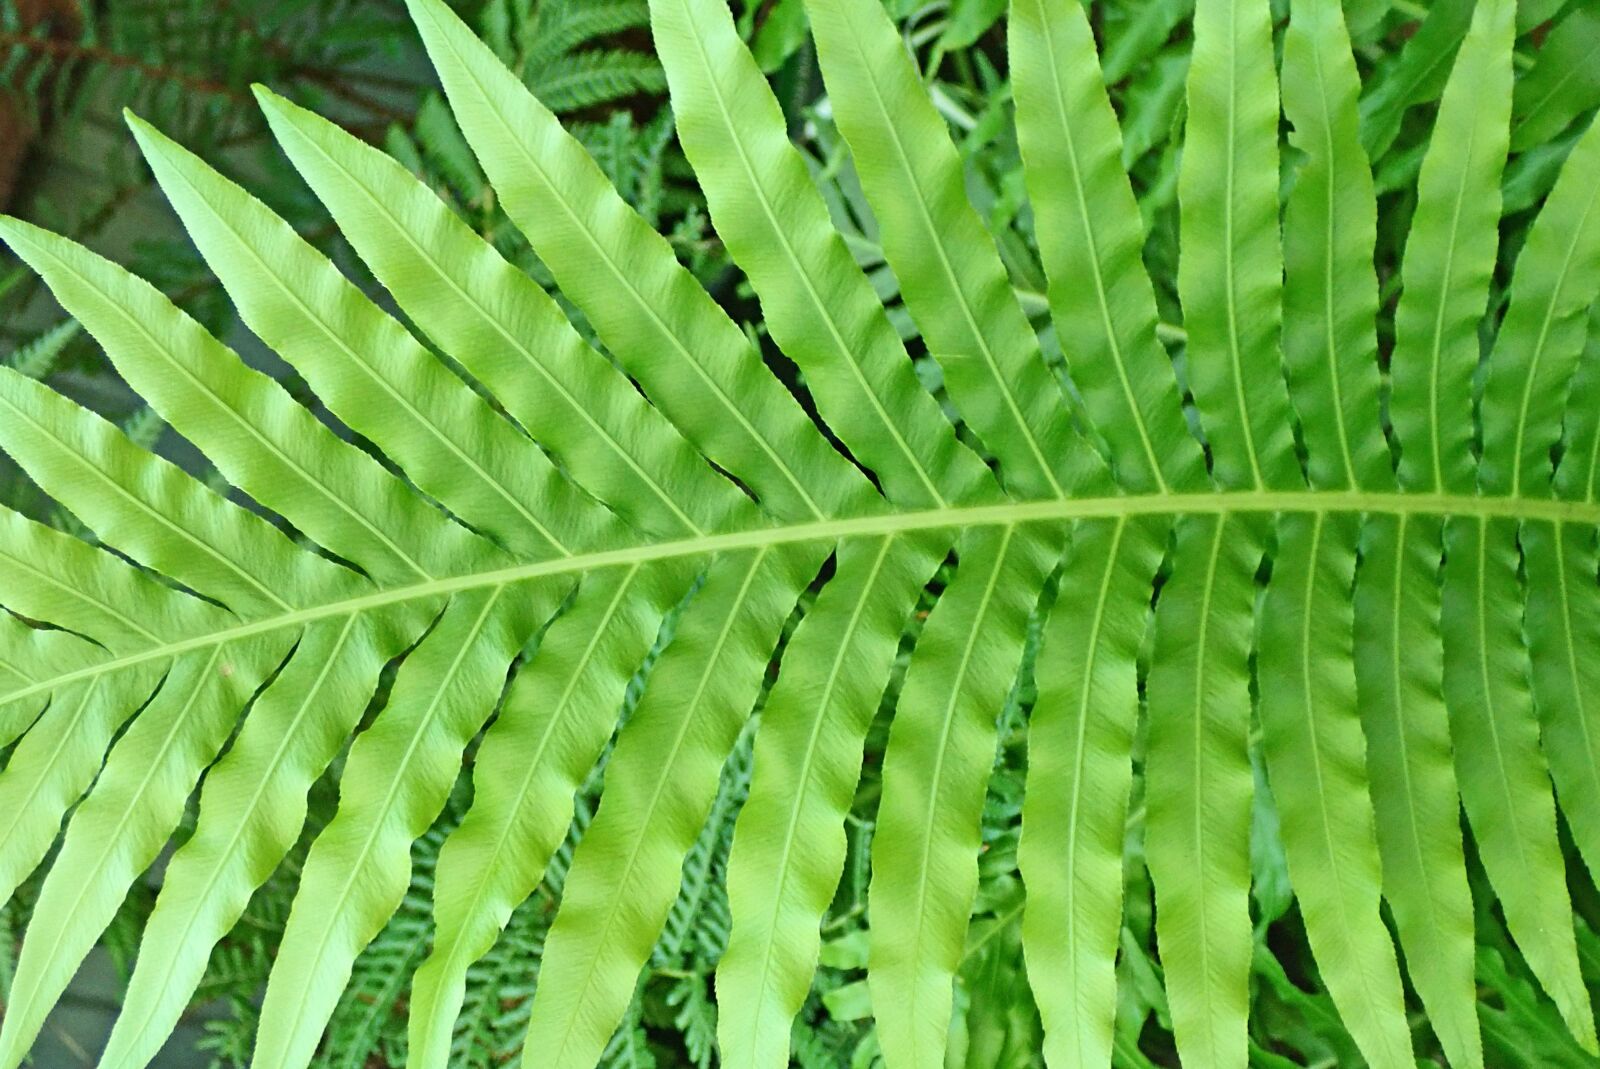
x: 1198, y: 784
x: 257, y: 436
x: 374, y: 375
x: 940, y: 753
x: 661, y: 781
x: 506, y: 331
x: 1505, y: 786
x: 1416, y: 77
x: 818, y: 306
x: 1330, y: 291
x: 1410, y: 772
x: 120, y: 828
x: 154, y: 511
x: 57, y: 760
x: 1080, y: 773
x: 1449, y: 259
x: 557, y: 717
x: 1230, y: 268
x: 1561, y: 625
x: 789, y: 844
x: 1316, y: 764
x: 1544, y: 331
x: 52, y: 577
x: 1578, y: 473
x: 951, y: 275
x: 251, y: 810
x: 1090, y: 236
x: 650, y: 312
x: 1563, y: 83
x: 395, y: 782
x: 26, y: 655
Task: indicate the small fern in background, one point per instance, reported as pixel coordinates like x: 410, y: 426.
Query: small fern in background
x: 576, y: 55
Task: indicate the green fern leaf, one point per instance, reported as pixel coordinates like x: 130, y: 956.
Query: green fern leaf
x: 649, y: 601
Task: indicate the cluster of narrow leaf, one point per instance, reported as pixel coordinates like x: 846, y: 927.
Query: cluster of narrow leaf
x: 1419, y: 645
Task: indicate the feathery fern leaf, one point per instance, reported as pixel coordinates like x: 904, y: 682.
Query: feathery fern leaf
x: 1395, y: 578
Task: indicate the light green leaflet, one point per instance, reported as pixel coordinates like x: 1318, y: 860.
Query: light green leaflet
x: 1228, y: 275
x: 255, y: 805
x: 1399, y: 681
x: 790, y: 837
x: 1505, y: 787
x: 1538, y: 349
x: 1416, y: 76
x: 554, y: 722
x: 1316, y: 761
x: 663, y: 780
x: 512, y: 335
x: 527, y: 540
x: 1564, y: 82
x: 776, y: 225
x: 1090, y: 229
x: 1330, y: 290
x: 1449, y: 258
x: 672, y: 338
x: 950, y: 273
x: 1198, y: 782
x: 1312, y: 737
x: 1080, y: 771
x: 941, y: 749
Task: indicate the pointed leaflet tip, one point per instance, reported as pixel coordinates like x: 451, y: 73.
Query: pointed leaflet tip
x: 11, y: 228
x: 26, y: 240
x: 419, y: 8
x: 137, y: 123
x: 151, y: 140
x: 286, y: 118
x: 158, y: 148
x: 433, y: 18
x: 273, y: 103
x: 276, y: 108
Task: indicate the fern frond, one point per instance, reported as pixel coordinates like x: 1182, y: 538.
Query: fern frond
x: 38, y: 358
x: 562, y: 26
x: 598, y: 76
x: 633, y: 591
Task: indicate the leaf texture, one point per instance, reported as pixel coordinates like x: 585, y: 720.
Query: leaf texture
x: 1198, y: 784
x: 1448, y: 260
x: 1080, y: 775
x: 1316, y: 759
x: 940, y: 752
x: 950, y: 274
x: 1089, y: 227
x: 818, y: 305
x: 1399, y: 662
x: 663, y: 781
x: 788, y: 848
x: 670, y: 336
x: 1229, y: 276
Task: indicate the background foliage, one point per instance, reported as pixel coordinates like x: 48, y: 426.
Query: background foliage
x: 68, y: 66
